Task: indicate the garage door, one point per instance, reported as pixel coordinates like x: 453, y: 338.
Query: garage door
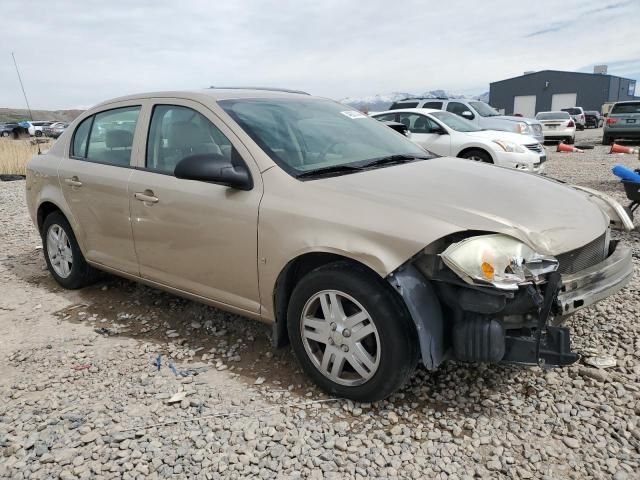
x: 525, y: 105
x: 563, y: 100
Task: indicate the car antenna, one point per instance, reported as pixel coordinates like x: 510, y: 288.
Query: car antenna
x: 25, y: 97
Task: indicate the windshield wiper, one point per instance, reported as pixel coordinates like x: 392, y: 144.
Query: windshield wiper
x: 336, y: 169
x: 394, y: 159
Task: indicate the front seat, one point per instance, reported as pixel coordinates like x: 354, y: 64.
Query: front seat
x: 185, y: 139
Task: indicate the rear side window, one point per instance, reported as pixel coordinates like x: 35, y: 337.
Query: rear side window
x: 572, y: 111
x: 397, y: 105
x: 111, y: 137
x: 80, y: 137
x: 178, y: 132
x: 435, y: 105
x: 626, y: 108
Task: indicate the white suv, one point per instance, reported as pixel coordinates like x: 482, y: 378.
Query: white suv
x: 577, y: 113
x: 483, y: 115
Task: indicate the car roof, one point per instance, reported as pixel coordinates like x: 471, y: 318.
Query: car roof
x: 215, y: 94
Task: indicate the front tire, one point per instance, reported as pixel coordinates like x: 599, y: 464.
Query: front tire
x: 477, y: 156
x: 351, y: 333
x: 62, y: 254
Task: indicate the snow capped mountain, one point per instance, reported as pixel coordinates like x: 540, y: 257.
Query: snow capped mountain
x: 382, y: 101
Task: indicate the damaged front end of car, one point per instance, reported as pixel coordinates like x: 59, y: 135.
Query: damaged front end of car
x: 486, y: 297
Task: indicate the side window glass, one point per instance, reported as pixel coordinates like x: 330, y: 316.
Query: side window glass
x: 416, y: 123
x: 457, y: 108
x: 435, y: 105
x: 80, y: 137
x: 111, y: 137
x: 178, y: 132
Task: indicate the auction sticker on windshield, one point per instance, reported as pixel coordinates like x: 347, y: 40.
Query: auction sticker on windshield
x: 353, y: 114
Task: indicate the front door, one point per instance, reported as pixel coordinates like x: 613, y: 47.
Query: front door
x: 94, y: 175
x: 195, y: 236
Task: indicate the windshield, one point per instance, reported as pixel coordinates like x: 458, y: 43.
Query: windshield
x: 553, y: 116
x: 303, y: 135
x: 455, y: 122
x: 484, y: 110
x: 626, y: 108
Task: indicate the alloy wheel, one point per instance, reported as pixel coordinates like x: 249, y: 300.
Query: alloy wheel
x: 340, y: 338
x: 59, y: 251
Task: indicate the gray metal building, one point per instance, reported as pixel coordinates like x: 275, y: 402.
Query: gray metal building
x: 547, y: 90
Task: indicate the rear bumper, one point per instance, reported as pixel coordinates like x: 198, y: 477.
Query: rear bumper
x: 595, y: 283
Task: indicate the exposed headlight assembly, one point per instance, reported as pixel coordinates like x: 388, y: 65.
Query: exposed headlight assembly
x: 497, y: 260
x: 510, y: 147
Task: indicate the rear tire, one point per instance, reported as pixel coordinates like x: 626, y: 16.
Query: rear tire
x: 62, y: 254
x: 571, y: 140
x: 38, y: 133
x: 330, y: 312
x: 477, y: 155
x: 607, y: 140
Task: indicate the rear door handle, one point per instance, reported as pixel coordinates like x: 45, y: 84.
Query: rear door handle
x: 147, y: 196
x: 73, y: 181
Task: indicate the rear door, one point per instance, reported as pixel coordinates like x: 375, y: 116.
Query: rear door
x: 194, y: 236
x: 93, y: 176
x: 424, y: 132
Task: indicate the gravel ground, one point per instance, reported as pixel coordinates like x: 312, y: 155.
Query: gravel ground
x: 122, y: 381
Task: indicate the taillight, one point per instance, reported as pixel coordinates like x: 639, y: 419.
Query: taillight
x: 611, y: 121
x: 571, y: 124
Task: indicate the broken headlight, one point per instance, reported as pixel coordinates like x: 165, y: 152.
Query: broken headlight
x: 497, y: 260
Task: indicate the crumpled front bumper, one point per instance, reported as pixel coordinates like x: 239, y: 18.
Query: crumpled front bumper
x: 595, y: 283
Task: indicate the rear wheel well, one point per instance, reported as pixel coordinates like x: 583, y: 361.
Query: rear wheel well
x: 44, y: 210
x: 475, y: 149
x: 288, y: 279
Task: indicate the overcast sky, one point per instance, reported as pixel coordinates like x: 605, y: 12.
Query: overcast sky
x: 77, y: 53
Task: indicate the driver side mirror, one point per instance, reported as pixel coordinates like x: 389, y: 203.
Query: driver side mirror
x: 467, y: 114
x: 214, y: 168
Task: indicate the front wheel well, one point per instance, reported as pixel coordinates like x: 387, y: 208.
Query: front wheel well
x: 44, y: 210
x: 468, y: 150
x: 290, y: 275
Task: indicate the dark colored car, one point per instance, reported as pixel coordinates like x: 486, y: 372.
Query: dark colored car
x: 8, y: 129
x: 55, y: 130
x: 593, y: 119
x: 623, y: 122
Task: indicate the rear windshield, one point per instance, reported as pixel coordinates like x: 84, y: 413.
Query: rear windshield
x: 572, y: 111
x: 553, y: 116
x: 626, y: 108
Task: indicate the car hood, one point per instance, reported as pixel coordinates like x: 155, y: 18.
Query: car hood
x: 515, y: 119
x: 426, y: 200
x: 501, y: 135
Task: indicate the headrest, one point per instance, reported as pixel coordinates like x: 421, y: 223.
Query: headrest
x: 119, y: 139
x: 186, y: 135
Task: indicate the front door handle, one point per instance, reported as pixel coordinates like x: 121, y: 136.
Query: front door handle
x: 147, y: 196
x: 73, y: 181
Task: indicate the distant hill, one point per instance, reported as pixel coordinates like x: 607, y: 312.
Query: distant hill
x: 382, y: 101
x: 9, y: 115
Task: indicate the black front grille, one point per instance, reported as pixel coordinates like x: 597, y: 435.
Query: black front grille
x: 583, y: 257
x: 534, y: 147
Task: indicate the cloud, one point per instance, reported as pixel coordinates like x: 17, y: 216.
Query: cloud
x: 80, y: 53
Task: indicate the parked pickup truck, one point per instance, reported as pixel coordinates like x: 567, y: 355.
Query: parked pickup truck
x: 483, y: 115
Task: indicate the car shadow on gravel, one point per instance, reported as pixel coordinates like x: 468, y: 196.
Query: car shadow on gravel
x: 186, y: 331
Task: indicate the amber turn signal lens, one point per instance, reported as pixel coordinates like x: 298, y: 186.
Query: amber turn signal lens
x: 488, y: 271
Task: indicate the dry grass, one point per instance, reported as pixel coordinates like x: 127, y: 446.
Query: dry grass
x: 14, y: 155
